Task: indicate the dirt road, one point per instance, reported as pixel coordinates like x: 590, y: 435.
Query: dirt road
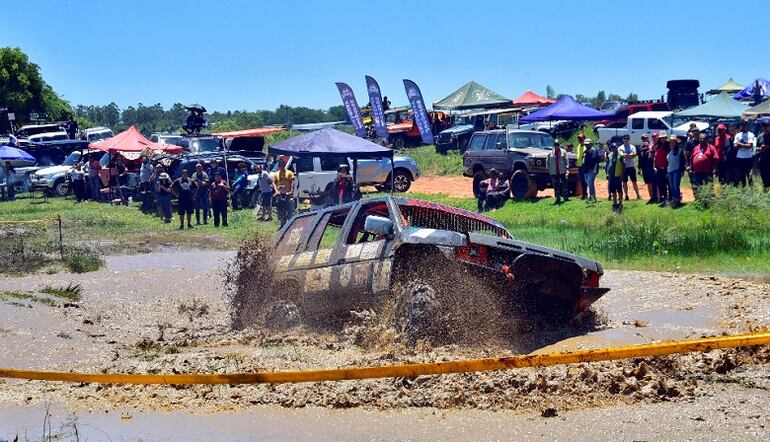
x: 164, y: 312
x: 462, y: 187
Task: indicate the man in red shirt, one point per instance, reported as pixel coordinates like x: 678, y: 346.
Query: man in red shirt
x: 660, y: 162
x: 704, y: 160
x: 723, y: 146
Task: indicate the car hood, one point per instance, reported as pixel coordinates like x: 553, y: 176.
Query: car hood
x: 525, y: 247
x: 53, y: 170
x: 458, y: 129
x: 537, y: 152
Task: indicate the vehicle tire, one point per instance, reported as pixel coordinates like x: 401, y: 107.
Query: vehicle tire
x: 398, y: 142
x: 61, y: 188
x: 462, y: 144
x: 441, y: 149
x: 522, y: 186
x: 402, y: 181
x: 282, y: 315
x: 417, y: 311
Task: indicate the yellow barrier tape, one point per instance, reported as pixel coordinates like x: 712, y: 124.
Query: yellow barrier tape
x: 407, y: 370
x: 31, y: 221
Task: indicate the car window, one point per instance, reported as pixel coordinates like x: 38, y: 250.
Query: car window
x: 655, y: 124
x: 477, y: 142
x: 291, y: 237
x: 357, y: 233
x: 637, y: 123
x: 501, y: 144
x: 327, y: 231
x: 490, y: 143
x: 332, y: 163
x: 303, y: 164
x: 518, y: 140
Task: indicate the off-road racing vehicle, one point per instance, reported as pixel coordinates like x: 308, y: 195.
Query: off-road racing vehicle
x: 421, y: 264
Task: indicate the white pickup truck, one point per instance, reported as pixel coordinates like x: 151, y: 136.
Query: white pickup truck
x: 648, y: 122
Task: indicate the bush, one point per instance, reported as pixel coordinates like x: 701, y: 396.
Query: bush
x: 79, y: 261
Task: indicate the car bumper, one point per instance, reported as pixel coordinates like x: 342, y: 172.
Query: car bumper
x: 41, y: 184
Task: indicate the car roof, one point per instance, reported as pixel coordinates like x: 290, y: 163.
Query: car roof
x: 49, y: 134
x: 512, y: 131
x: 398, y: 109
x: 97, y: 129
x: 650, y: 114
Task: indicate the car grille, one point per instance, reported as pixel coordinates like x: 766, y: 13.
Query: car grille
x: 539, y: 162
x: 445, y: 138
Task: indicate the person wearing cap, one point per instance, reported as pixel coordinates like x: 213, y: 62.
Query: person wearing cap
x: 557, y: 163
x: 165, y: 190
x: 591, y: 160
x: 703, y: 164
x: 647, y: 168
x: 629, y: 171
x: 202, y: 202
x: 660, y: 163
x: 266, y: 189
x: 675, y: 169
x: 284, y: 185
x: 744, y: 143
x: 763, y: 154
x: 184, y: 188
x: 614, y: 169
x: 723, y: 143
x: 581, y: 149
x: 219, y: 192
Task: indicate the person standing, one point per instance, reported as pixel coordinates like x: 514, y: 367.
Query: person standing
x: 94, y: 181
x: 219, y: 193
x: 660, y: 162
x: 724, y: 146
x: 647, y: 168
x: 614, y: 168
x: 239, y: 185
x: 10, y: 180
x: 145, y: 184
x: 77, y: 178
x: 704, y: 162
x: 165, y: 190
x: 763, y: 155
x: 591, y: 159
x: 676, y: 167
x: 284, y: 186
x: 744, y: 143
x: 184, y: 189
x: 556, y: 162
x: 580, y: 152
x: 266, y: 188
x: 628, y: 152
x: 121, y: 179
x: 202, y: 204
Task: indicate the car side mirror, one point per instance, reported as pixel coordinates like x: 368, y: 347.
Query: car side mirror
x: 379, y: 226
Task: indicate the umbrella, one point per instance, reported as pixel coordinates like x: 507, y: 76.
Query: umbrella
x: 16, y: 156
x: 195, y: 107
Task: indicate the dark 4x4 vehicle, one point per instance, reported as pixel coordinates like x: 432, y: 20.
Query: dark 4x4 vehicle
x: 421, y: 263
x: 521, y: 154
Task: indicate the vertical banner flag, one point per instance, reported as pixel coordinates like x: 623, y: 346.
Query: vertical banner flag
x: 378, y: 115
x: 351, y: 106
x: 420, y: 113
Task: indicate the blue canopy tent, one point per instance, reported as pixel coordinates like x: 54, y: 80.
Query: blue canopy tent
x: 333, y: 142
x: 566, y: 108
x: 748, y: 92
x: 16, y: 156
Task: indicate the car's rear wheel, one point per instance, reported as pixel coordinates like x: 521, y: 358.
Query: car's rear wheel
x: 522, y: 186
x: 61, y: 187
x: 478, y: 177
x: 398, y: 142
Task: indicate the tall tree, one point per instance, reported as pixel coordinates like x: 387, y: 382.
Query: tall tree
x: 549, y: 92
x: 23, y: 89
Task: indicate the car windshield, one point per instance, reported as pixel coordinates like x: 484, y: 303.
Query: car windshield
x: 205, y: 144
x: 520, y: 140
x: 71, y: 159
x: 434, y: 216
x: 169, y: 140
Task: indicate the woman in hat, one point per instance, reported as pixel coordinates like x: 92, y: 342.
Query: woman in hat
x: 165, y: 191
x: 675, y: 169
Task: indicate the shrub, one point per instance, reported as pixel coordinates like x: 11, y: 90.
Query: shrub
x: 82, y: 261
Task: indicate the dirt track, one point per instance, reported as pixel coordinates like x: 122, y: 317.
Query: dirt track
x: 461, y: 187
x: 174, y: 319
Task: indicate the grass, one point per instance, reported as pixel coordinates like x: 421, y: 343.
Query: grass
x: 72, y: 292
x: 10, y: 296
x: 432, y: 163
x: 82, y: 261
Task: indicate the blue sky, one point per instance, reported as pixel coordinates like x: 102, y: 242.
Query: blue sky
x: 259, y: 54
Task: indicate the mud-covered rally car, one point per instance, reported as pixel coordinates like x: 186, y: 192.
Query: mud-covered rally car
x: 408, y: 259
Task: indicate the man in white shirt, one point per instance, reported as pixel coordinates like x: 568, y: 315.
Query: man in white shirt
x: 629, y: 171
x: 744, y: 143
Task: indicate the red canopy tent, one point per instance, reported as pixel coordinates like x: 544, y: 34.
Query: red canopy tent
x: 131, y: 144
x: 529, y: 97
x: 261, y: 131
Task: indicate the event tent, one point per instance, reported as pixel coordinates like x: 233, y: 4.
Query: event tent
x: 16, y: 156
x: 131, y: 144
x: 748, y: 92
x: 566, y: 108
x: 530, y: 98
x: 720, y: 107
x: 472, y: 96
x: 759, y: 110
x: 729, y: 86
x: 330, y: 142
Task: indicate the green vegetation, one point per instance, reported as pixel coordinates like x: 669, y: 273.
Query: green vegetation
x: 729, y: 233
x: 82, y: 261
x: 63, y: 335
x: 71, y: 292
x: 432, y: 163
x: 9, y: 296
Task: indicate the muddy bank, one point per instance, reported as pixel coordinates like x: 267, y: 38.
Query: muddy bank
x: 165, y: 313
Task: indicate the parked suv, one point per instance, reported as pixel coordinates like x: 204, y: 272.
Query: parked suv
x: 521, y: 154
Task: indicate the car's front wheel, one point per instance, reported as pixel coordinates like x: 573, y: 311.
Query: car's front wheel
x: 402, y: 181
x: 61, y: 187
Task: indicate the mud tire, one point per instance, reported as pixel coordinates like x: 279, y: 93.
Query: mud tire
x: 282, y: 316
x: 417, y: 312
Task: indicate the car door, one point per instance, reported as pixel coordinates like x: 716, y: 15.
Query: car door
x: 636, y: 129
x: 304, y: 169
x: 498, y: 146
x: 475, y: 152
